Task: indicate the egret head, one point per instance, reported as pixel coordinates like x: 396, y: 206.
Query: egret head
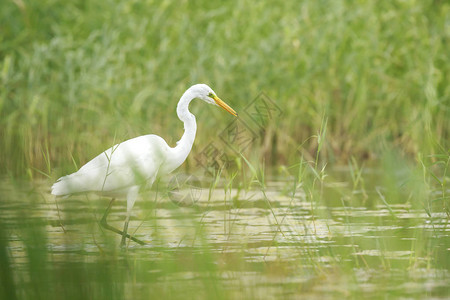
x: 205, y: 93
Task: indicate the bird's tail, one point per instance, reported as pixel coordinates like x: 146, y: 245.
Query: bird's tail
x: 61, y: 187
x: 66, y: 185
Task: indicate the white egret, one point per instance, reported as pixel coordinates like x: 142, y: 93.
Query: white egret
x: 121, y: 170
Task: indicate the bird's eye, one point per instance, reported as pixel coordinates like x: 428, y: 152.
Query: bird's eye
x: 211, y: 95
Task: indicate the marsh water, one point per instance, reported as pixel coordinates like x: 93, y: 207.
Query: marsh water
x: 277, y: 241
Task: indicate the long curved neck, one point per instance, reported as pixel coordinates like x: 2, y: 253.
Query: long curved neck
x: 184, y: 145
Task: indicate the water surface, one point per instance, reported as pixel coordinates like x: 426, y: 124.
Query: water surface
x: 272, y: 242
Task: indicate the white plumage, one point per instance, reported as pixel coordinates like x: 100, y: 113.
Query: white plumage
x: 117, y: 168
x: 124, y: 168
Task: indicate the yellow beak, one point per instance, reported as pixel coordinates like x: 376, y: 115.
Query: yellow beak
x: 224, y: 105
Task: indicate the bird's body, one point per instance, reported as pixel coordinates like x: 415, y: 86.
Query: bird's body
x: 118, y: 168
x: 122, y: 169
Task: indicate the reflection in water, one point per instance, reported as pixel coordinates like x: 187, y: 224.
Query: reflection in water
x: 277, y: 243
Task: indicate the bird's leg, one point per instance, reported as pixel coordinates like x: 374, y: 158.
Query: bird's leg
x: 125, y: 229
x: 105, y: 225
x: 103, y: 220
x: 131, y: 199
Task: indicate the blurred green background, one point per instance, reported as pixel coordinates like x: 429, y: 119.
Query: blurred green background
x: 359, y: 84
x: 77, y: 76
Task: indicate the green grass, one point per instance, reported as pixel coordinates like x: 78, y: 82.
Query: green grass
x: 77, y: 76
x: 361, y: 85
x: 327, y: 239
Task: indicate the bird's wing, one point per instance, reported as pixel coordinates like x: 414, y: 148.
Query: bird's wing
x: 123, y: 165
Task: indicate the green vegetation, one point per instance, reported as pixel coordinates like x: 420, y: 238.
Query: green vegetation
x: 77, y: 76
x: 342, y: 192
x: 356, y: 233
